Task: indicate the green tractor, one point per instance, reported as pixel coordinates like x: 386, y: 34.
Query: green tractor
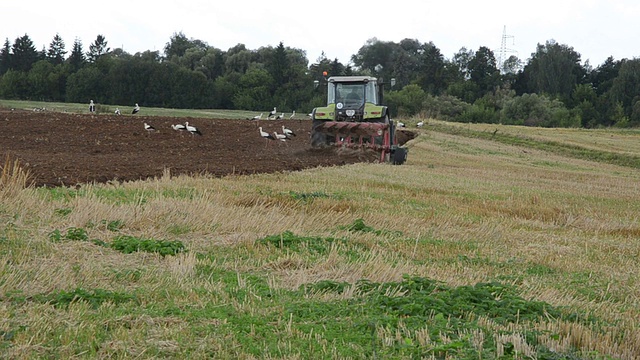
x: 355, y: 117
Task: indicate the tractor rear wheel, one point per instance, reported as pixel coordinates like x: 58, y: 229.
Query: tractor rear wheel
x: 399, y: 156
x: 318, y: 138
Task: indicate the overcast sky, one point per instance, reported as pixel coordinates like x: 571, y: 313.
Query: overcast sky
x: 596, y: 29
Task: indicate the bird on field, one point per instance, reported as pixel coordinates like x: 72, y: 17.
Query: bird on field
x: 401, y: 124
x: 288, y: 132
x: 265, y: 135
x: 257, y: 117
x: 136, y: 109
x: 420, y: 124
x: 117, y: 112
x: 272, y: 113
x: 149, y: 128
x: 192, y: 129
x: 280, y: 117
x: 178, y: 127
x: 281, y: 137
x: 293, y: 114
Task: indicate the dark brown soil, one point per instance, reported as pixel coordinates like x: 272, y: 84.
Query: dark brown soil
x: 63, y: 149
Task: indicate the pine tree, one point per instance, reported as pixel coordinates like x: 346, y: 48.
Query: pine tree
x: 56, y: 51
x: 5, y: 57
x: 76, y: 59
x: 97, y: 49
x: 24, y: 54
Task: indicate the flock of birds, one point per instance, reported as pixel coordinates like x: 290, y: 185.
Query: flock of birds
x: 287, y: 134
x: 178, y: 127
x: 273, y: 114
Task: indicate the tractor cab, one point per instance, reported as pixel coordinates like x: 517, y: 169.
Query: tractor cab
x: 350, y: 94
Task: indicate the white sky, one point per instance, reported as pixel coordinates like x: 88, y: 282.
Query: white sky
x: 596, y: 29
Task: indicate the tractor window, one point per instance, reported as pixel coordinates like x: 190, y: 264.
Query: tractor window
x: 371, y: 93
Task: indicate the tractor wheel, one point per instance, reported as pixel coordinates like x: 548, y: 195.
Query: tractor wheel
x: 318, y: 138
x: 399, y: 156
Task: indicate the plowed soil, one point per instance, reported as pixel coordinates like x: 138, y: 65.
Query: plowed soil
x: 64, y: 149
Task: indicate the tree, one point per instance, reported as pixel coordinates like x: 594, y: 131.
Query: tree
x: 24, y: 54
x: 41, y: 85
x: 461, y: 61
x: 76, y: 60
x: 603, y: 76
x: 375, y: 57
x: 483, y: 71
x: 625, y: 89
x: 555, y: 70
x: 55, y: 54
x: 238, y: 59
x: 431, y: 69
x: 405, y: 62
x: 97, y: 49
x: 5, y: 57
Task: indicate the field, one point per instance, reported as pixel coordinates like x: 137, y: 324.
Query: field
x: 490, y: 242
x: 69, y: 149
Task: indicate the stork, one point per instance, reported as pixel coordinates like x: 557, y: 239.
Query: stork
x: 272, y: 113
x: 149, y: 128
x: 288, y: 132
x: 192, y: 129
x: 281, y: 137
x: 293, y: 114
x: 136, y: 109
x: 257, y: 117
x: 280, y: 117
x: 265, y: 135
x: 420, y: 124
x: 179, y: 127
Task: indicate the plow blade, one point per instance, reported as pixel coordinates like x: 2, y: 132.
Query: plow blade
x: 360, y: 135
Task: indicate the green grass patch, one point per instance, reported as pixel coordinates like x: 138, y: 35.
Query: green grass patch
x: 359, y: 226
x: 290, y: 241
x: 129, y: 244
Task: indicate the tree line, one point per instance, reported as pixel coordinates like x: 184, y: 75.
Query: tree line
x: 552, y: 88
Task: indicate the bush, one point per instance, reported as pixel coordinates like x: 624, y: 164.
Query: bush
x: 536, y: 110
x: 445, y: 107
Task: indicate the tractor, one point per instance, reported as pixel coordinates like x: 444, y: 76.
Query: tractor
x: 355, y: 118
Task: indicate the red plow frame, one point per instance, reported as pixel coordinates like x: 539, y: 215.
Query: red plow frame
x: 360, y: 135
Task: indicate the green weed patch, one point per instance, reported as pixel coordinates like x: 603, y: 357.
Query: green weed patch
x: 359, y: 226
x: 297, y: 243
x: 130, y: 244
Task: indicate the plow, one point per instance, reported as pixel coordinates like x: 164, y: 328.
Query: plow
x: 360, y: 135
x: 354, y: 118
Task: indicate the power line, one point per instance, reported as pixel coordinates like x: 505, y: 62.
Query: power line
x: 504, y: 50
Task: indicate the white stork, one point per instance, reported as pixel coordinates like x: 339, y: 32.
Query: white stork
x: 272, y: 113
x: 136, y: 109
x: 178, y: 127
x: 149, y: 128
x: 293, y: 114
x: 257, y: 117
x: 420, y: 124
x: 281, y: 137
x: 265, y: 135
x: 288, y: 132
x: 192, y: 129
